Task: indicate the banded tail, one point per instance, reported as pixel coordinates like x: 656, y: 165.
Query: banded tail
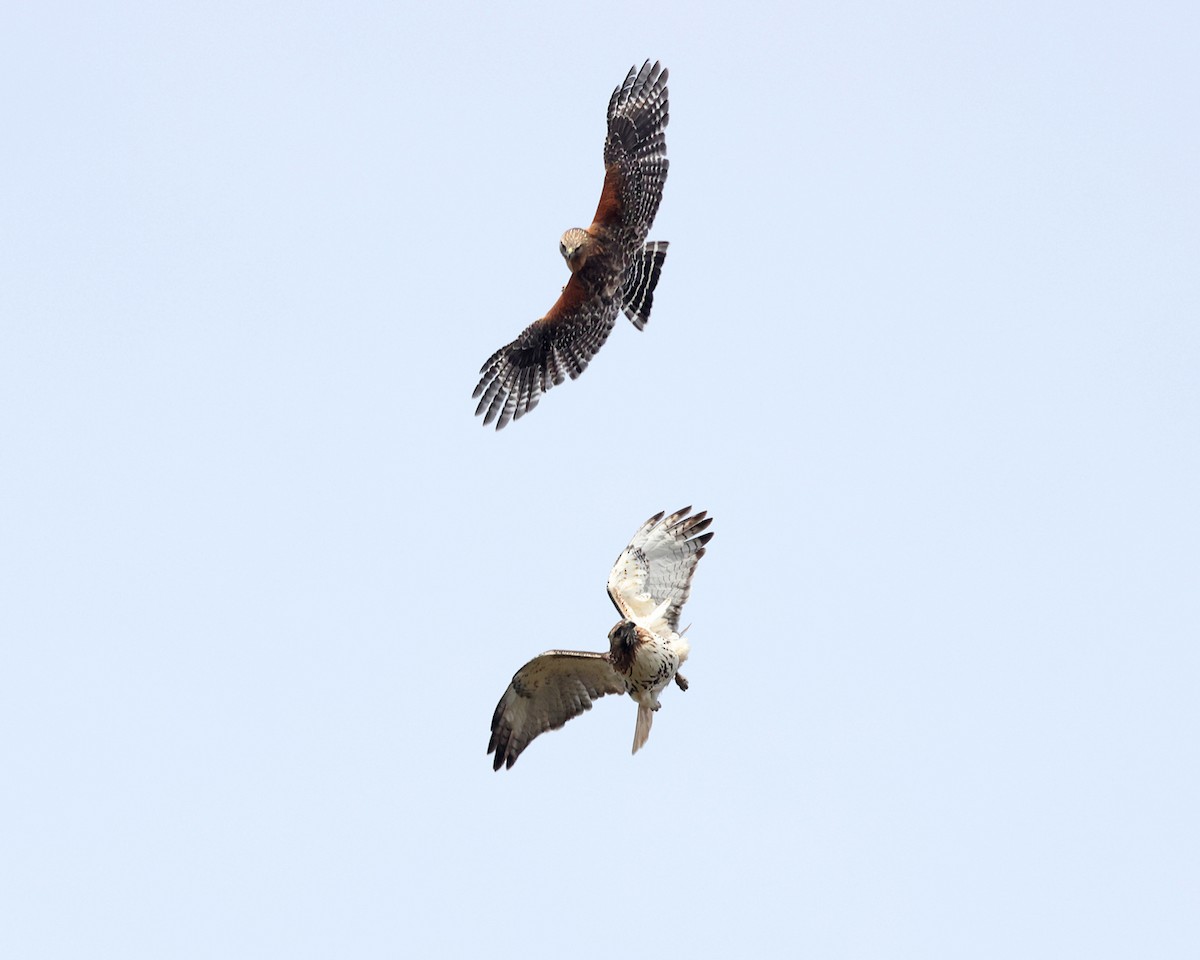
x: 641, y: 277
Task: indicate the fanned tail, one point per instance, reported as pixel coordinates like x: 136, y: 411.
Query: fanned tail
x: 641, y: 733
x: 641, y: 277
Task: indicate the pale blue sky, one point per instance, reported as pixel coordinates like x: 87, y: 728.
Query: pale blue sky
x: 926, y: 345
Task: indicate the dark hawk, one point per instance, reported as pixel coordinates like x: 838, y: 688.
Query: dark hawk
x: 613, y: 268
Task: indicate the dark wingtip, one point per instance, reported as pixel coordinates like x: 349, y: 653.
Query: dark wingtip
x: 502, y: 753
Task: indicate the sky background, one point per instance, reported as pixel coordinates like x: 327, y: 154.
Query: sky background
x: 926, y: 346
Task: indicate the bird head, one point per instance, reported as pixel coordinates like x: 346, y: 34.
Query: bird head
x: 573, y: 247
x: 623, y: 636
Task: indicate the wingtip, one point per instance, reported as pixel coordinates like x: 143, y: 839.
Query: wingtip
x: 503, y: 756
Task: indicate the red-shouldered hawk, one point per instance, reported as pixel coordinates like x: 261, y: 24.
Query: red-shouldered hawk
x: 612, y: 266
x: 649, y: 584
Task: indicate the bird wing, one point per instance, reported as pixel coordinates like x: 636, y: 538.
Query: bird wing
x: 635, y: 155
x: 544, y: 694
x: 652, y: 578
x: 557, y: 346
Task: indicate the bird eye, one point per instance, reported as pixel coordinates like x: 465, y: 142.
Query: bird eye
x: 562, y: 248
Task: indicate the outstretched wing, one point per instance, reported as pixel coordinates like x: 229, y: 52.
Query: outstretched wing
x: 635, y: 155
x: 652, y: 578
x: 544, y: 694
x: 559, y: 345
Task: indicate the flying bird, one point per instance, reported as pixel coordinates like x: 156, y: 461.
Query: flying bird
x: 613, y: 268
x: 649, y: 584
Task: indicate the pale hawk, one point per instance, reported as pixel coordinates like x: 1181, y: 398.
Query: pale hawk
x: 648, y: 585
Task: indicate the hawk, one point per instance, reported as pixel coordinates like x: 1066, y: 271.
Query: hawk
x: 649, y: 584
x: 613, y: 268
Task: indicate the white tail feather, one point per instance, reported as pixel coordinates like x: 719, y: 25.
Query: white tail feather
x: 641, y: 733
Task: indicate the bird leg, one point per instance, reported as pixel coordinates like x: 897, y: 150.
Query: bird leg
x: 681, y: 680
